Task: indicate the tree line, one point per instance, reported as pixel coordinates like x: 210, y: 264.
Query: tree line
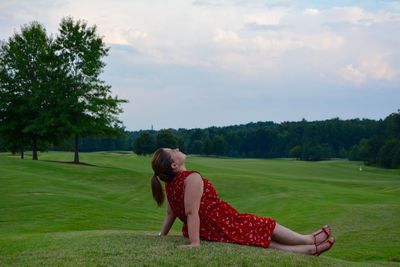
x: 50, y: 88
x: 374, y: 142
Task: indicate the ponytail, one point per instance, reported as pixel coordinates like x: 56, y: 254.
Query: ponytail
x: 157, y: 190
x: 161, y: 164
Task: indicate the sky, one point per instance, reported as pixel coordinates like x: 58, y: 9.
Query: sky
x: 200, y: 63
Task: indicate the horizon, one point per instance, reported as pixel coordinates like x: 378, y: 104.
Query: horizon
x: 245, y: 123
x: 199, y: 64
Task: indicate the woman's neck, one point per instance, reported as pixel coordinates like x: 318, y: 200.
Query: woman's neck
x: 182, y: 168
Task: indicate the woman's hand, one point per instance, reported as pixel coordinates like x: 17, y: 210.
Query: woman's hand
x: 154, y: 234
x: 190, y: 246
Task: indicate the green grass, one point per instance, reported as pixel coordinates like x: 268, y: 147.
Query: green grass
x: 62, y: 214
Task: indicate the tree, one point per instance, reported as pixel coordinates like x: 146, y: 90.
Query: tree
x: 144, y: 144
x: 389, y: 153
x: 392, y: 123
x: 29, y: 77
x: 166, y: 139
x: 197, y: 147
x: 207, y: 146
x: 51, y: 90
x: 219, y: 145
x: 89, y: 108
x: 295, y: 152
x: 396, y: 158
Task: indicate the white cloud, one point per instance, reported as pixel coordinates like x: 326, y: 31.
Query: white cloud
x: 377, y: 69
x: 353, y: 74
x: 324, y: 41
x: 226, y: 37
x: 311, y: 11
x: 358, y: 16
x: 351, y: 14
x: 274, y: 44
x: 197, y: 34
x: 123, y: 36
x: 267, y: 17
x: 369, y: 69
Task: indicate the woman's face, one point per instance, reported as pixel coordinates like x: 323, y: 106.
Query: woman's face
x: 177, y: 156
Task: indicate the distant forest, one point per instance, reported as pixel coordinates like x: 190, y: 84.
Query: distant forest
x: 376, y: 142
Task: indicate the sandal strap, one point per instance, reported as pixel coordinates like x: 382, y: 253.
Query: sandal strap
x: 331, y: 243
x: 323, y: 230
x: 316, y: 251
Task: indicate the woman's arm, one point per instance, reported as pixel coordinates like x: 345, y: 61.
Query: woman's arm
x: 168, y: 221
x: 193, y: 192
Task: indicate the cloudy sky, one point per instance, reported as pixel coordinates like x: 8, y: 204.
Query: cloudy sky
x: 195, y: 64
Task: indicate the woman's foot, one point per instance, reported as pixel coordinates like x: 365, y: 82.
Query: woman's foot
x: 322, y: 235
x: 325, y: 246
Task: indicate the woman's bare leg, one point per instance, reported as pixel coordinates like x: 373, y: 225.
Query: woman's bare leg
x: 285, y: 236
x: 302, y: 249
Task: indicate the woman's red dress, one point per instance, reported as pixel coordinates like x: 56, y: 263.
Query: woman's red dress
x: 218, y: 220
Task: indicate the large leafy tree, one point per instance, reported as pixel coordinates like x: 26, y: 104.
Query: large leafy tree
x: 30, y: 79
x: 51, y: 90
x: 91, y: 110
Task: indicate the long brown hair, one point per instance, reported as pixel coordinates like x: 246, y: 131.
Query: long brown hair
x: 161, y: 164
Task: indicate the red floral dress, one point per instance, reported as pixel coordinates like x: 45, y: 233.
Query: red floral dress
x: 218, y: 220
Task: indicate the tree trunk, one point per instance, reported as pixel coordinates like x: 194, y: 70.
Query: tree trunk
x: 34, y: 148
x: 22, y: 154
x: 76, y: 158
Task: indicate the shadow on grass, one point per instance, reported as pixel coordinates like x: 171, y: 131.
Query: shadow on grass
x: 71, y: 162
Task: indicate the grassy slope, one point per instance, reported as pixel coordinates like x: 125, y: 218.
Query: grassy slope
x: 48, y: 210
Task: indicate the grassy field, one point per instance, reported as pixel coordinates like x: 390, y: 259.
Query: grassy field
x: 54, y: 213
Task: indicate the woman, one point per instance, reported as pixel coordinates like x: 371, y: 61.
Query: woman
x: 195, y: 202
